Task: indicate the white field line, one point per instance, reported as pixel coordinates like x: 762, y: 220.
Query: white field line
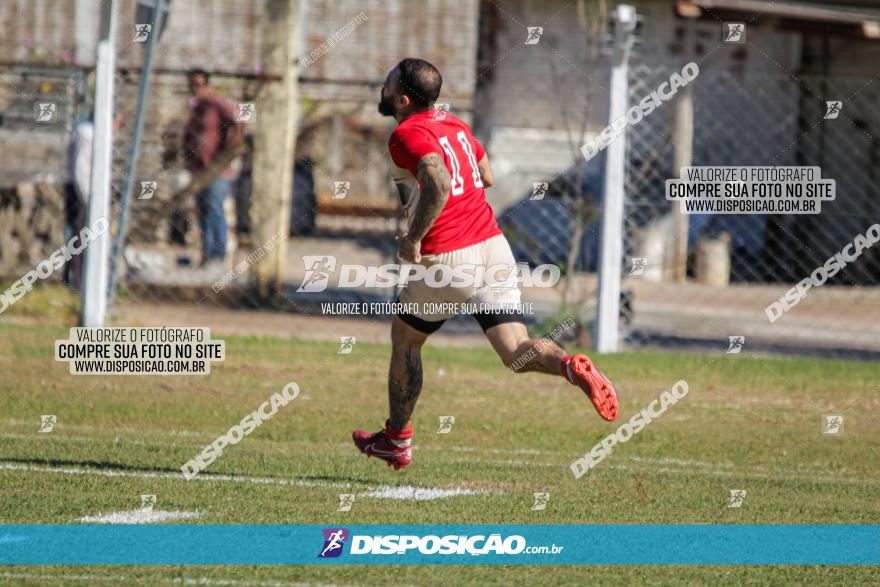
x: 193, y: 444
x: 510, y: 463
x: 149, y: 475
x: 643, y: 467
x: 343, y: 445
x: 377, y: 492
x: 123, y: 579
x: 732, y: 469
x: 91, y: 439
x: 419, y: 493
x: 145, y: 431
x: 662, y: 465
x: 138, y: 517
x: 746, y: 474
x: 236, y: 582
x: 117, y: 579
x: 565, y: 455
x: 719, y: 469
x: 343, y: 448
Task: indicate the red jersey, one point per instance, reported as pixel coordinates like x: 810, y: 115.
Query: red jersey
x: 467, y: 218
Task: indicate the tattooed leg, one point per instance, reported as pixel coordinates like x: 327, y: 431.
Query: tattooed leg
x: 404, y: 385
x: 405, y: 372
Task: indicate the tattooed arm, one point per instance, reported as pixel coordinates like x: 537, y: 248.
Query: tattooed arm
x: 406, y: 185
x: 435, y: 186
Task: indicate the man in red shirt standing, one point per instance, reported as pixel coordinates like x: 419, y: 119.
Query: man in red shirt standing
x: 212, y: 127
x: 453, y: 227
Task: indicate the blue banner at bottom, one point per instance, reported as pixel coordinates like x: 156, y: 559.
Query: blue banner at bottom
x: 634, y: 544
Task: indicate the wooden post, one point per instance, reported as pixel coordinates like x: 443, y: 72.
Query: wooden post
x: 277, y: 108
x: 683, y: 138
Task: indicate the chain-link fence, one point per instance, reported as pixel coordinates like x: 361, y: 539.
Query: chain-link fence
x: 161, y: 258
x: 737, y: 265
x: 533, y: 105
x: 40, y: 106
x: 744, y: 113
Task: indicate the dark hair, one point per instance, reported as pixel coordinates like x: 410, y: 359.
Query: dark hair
x: 198, y: 72
x: 419, y: 80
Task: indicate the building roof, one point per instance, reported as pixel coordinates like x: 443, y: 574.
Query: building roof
x: 862, y: 16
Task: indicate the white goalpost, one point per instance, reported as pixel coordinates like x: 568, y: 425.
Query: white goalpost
x: 608, y: 303
x: 97, y: 255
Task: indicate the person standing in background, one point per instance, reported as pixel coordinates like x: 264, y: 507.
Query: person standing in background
x: 77, y: 186
x: 212, y: 128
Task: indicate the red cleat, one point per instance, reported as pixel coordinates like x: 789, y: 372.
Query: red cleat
x: 392, y: 446
x: 580, y: 371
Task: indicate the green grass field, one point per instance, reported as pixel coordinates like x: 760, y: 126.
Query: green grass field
x: 748, y: 423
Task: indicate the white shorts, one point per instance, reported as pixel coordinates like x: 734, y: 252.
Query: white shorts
x: 486, y: 287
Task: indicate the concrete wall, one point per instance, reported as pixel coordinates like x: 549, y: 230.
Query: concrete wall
x: 46, y: 44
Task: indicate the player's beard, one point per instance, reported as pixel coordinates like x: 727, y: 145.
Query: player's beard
x: 386, y: 106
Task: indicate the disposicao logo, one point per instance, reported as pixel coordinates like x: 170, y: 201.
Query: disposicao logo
x: 334, y: 540
x: 407, y: 544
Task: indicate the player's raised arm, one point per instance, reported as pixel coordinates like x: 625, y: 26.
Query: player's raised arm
x: 486, y: 171
x: 435, y: 186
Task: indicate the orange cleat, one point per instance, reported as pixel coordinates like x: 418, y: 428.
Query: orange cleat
x: 580, y: 371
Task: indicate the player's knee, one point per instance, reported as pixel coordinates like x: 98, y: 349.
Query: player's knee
x: 507, y: 360
x: 405, y: 336
x: 407, y: 342
x: 520, y: 364
x: 518, y: 359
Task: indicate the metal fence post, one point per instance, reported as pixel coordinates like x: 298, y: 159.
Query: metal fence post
x: 134, y: 154
x: 608, y: 306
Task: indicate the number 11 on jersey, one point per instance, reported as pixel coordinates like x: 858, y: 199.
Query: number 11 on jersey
x: 457, y: 179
